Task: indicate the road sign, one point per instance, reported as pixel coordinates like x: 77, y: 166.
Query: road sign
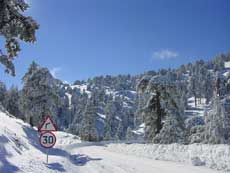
x: 48, y: 126
x: 47, y: 140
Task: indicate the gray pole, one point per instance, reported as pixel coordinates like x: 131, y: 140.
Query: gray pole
x: 47, y: 154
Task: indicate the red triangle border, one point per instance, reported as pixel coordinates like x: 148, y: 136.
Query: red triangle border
x: 55, y: 126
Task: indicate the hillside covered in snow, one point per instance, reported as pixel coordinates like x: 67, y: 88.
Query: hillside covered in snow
x: 180, y: 115
x: 128, y: 107
x: 20, y: 152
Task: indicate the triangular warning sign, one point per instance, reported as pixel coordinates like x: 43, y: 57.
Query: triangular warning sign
x: 47, y: 125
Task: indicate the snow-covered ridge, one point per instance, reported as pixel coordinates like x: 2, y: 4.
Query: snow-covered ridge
x: 83, y: 88
x: 212, y: 156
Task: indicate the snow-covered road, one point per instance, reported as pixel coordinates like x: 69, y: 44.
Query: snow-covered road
x: 20, y: 152
x: 100, y: 160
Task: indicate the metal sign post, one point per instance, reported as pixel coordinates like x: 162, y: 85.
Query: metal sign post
x: 47, y: 139
x: 47, y: 156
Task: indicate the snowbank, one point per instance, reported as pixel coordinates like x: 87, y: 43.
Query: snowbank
x: 20, y: 150
x: 212, y: 156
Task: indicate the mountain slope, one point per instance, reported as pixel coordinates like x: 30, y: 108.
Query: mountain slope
x: 21, y: 152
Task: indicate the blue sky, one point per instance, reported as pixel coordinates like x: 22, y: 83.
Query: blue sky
x: 79, y: 39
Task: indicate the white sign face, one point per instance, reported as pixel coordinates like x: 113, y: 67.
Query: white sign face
x: 47, y: 140
x: 47, y: 125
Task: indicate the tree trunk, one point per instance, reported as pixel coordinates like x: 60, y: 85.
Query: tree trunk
x: 195, y: 100
x: 159, y: 112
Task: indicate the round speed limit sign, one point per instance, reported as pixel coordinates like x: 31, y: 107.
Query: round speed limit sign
x: 47, y: 140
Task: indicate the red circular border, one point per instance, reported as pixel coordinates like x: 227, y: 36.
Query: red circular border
x: 55, y: 139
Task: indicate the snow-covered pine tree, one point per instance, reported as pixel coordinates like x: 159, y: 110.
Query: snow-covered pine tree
x: 79, y: 102
x: 120, y: 131
x: 208, y: 87
x: 195, y: 129
x: 164, y: 102
x: 217, y: 126
x: 129, y: 134
x: 152, y: 114
x: 192, y: 87
x: 2, y: 92
x: 15, y: 26
x: 88, y: 131
x: 138, y: 119
x: 107, y: 136
x: 110, y: 120
x: 173, y: 128
x: 12, y: 102
x: 39, y: 94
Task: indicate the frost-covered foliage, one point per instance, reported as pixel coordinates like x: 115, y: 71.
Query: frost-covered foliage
x: 217, y: 122
x: 163, y: 102
x: 195, y: 127
x: 2, y: 92
x: 39, y: 94
x: 129, y: 134
x: 194, y: 121
x: 173, y: 131
x: 12, y: 102
x: 203, y: 81
x: 115, y: 105
x: 15, y: 26
x: 88, y: 130
x: 196, y: 134
x: 163, y: 113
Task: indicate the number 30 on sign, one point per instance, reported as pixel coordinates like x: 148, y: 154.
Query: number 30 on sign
x: 47, y: 140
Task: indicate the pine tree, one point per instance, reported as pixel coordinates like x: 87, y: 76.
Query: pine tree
x: 88, y: 126
x: 12, y: 102
x: 110, y: 121
x: 129, y: 134
x: 173, y: 130
x: 208, y: 87
x: 192, y: 87
x: 164, y: 102
x: 120, y: 131
x: 15, y: 26
x: 217, y: 126
x: 2, y: 92
x: 107, y: 136
x: 39, y: 95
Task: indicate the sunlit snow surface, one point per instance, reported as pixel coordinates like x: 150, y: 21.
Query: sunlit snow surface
x: 196, y: 110
x: 20, y: 152
x: 227, y: 64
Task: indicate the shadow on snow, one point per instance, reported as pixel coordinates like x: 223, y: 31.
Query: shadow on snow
x: 56, y: 167
x: 81, y: 159
x: 78, y: 160
x: 5, y: 166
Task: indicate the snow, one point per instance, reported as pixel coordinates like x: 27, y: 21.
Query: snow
x: 104, y: 161
x: 140, y: 130
x: 108, y: 91
x: 227, y: 64
x: 118, y: 118
x: 104, y: 116
x: 101, y: 115
x: 20, y: 152
x: 198, y: 110
x: 212, y: 156
x: 69, y: 96
x: 226, y: 74
x: 83, y: 88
